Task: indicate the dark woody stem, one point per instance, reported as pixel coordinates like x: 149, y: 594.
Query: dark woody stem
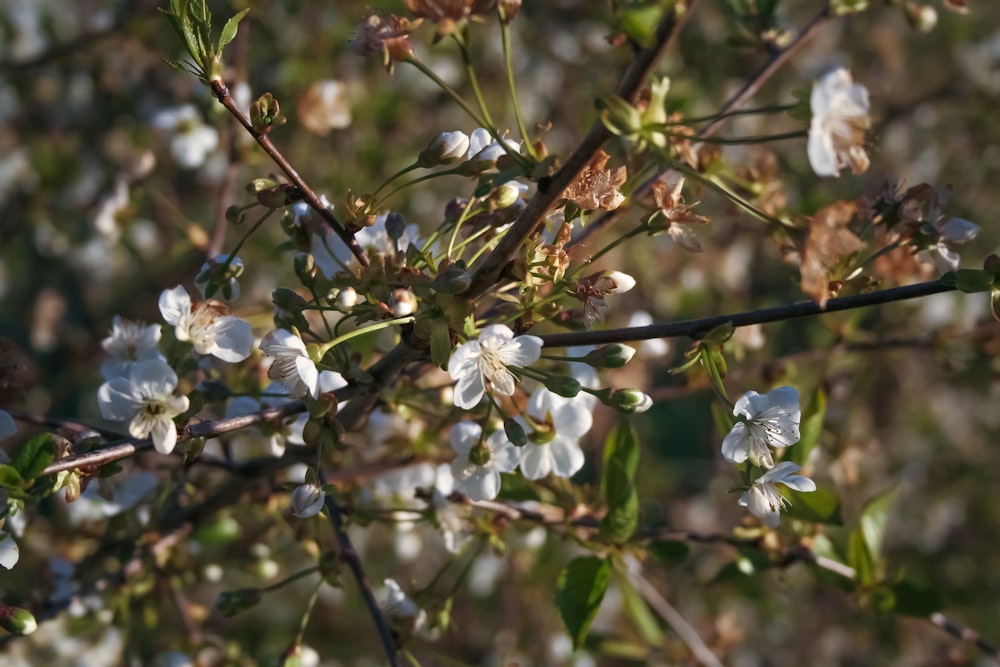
x: 700, y: 327
x: 221, y: 93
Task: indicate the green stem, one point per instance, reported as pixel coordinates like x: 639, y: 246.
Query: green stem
x: 326, y: 347
x: 760, y: 139
x: 470, y: 73
x: 508, y: 66
x: 716, y: 184
x: 778, y: 108
x: 322, y: 314
x: 310, y: 604
x: 429, y: 73
x: 239, y: 244
x: 399, y: 174
x: 421, y: 179
x: 284, y: 582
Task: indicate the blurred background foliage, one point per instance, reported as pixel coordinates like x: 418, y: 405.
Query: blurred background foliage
x: 911, y: 387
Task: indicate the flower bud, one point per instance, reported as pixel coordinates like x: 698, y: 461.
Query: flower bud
x: 626, y: 400
x: 403, y: 302
x: 265, y: 112
x: 922, y: 17
x: 17, y: 621
x: 562, y: 385
x: 307, y: 500
x: 395, y: 227
x: 287, y: 299
x: 453, y: 280
x: 230, y: 603
x: 508, y: 9
x: 514, y: 432
x: 346, y: 299
x: 614, y: 355
x: 615, y: 282
x: 445, y: 149
x: 506, y: 195
x: 305, y: 268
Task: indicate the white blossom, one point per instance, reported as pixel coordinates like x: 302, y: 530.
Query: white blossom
x: 376, y: 237
x: 770, y: 420
x: 307, y: 500
x: 399, y: 607
x: 478, y: 465
x: 474, y: 363
x: 128, y: 343
x: 207, y: 325
x: 839, y: 122
x: 484, y: 149
x: 290, y: 365
x: 328, y: 251
x: 9, y: 552
x: 952, y: 232
x: 557, y: 423
x: 763, y: 499
x: 145, y: 398
x: 191, y: 140
x: 445, y: 149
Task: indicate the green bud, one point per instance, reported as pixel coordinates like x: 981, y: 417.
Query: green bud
x: 17, y: 621
x: 515, y: 432
x: 453, y: 280
x: 562, y: 385
x: 305, y: 268
x: 480, y: 454
x: 265, y: 112
x: 287, y: 299
x: 620, y: 117
x: 230, y: 603
x: 614, y: 355
x: 626, y: 400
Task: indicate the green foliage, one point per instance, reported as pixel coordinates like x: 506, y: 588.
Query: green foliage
x: 579, y: 592
x: 810, y: 428
x: 865, y: 547
x: 621, y: 462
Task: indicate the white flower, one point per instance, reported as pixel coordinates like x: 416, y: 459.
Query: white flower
x: 192, y: 140
x: 328, y: 251
x: 218, y: 277
x: 376, y: 237
x: 444, y: 149
x: 146, y: 397
x: 763, y: 499
x: 477, y: 468
x: 592, y: 290
x: 475, y: 362
x: 7, y: 426
x: 207, y: 325
x: 128, y: 343
x: 9, y: 553
x: 325, y: 106
x: 772, y: 420
x: 553, y: 440
x: 307, y: 500
x: 291, y: 365
x: 953, y: 231
x: 840, y: 119
x: 398, y: 606
x: 485, y: 149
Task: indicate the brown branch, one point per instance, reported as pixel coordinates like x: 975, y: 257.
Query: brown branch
x: 350, y: 555
x: 550, y: 190
x: 700, y: 327
x: 738, y: 99
x: 221, y: 93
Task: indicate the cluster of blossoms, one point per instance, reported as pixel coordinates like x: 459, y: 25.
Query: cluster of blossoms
x: 766, y: 421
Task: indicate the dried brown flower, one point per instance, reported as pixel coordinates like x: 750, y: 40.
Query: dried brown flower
x: 829, y: 241
x: 679, y: 216
x: 388, y: 35
x: 449, y: 13
x: 596, y: 187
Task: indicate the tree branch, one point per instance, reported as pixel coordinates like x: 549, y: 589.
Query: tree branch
x: 697, y: 328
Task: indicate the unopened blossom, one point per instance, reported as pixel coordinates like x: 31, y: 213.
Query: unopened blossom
x: 446, y: 148
x: 480, y: 460
x: 128, y: 343
x: 477, y: 362
x: 219, y: 276
x: 769, y: 420
x: 191, y: 140
x: 484, y: 150
x: 596, y: 187
x: 840, y: 119
x: 307, y: 500
x: 395, y: 604
x: 207, y: 325
x: 145, y: 398
x: 554, y: 429
x: 763, y: 498
x: 290, y: 363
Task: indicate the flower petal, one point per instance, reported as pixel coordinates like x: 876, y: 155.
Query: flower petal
x: 175, y: 304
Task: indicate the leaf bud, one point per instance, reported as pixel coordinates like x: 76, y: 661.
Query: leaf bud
x: 17, y: 621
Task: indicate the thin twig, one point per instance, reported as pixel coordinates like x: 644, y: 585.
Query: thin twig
x: 350, y: 555
x: 550, y: 190
x: 221, y: 93
x: 696, y: 328
x: 680, y: 625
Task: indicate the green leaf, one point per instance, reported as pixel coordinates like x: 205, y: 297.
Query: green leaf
x: 819, y: 506
x: 972, y: 281
x: 35, y: 455
x: 810, y: 428
x: 874, y: 519
x: 859, y: 558
x: 579, y: 592
x: 623, y: 504
x: 229, y: 30
x: 640, y: 22
x: 440, y: 343
x: 9, y: 477
x: 669, y: 551
x: 621, y: 462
